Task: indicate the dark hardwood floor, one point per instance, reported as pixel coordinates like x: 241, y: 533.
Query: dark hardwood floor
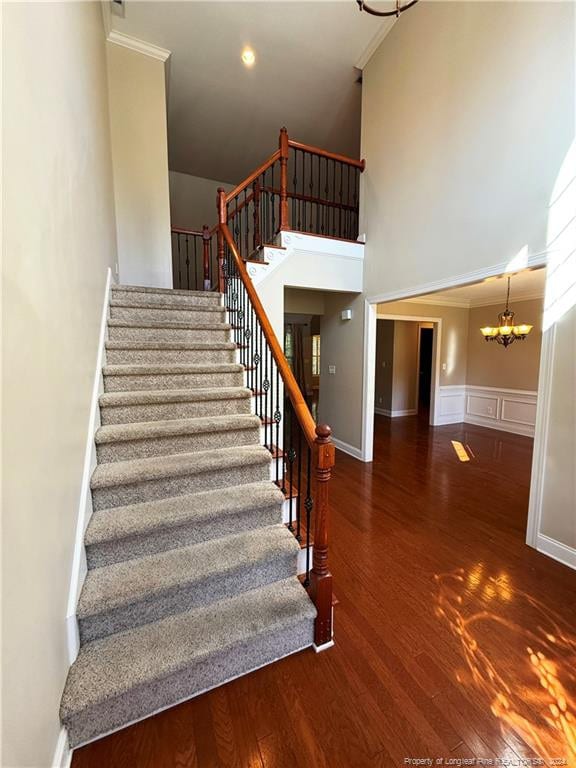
x: 453, y: 639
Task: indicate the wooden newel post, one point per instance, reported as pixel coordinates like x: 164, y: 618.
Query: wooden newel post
x: 284, y: 151
x: 320, y: 576
x: 206, y: 237
x: 222, y: 219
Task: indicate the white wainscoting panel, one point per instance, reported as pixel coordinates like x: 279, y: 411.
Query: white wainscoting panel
x: 510, y: 410
x: 451, y: 405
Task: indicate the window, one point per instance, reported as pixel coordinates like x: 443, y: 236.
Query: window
x: 316, y: 355
x: 288, y: 345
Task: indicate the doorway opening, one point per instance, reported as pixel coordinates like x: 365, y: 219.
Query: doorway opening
x: 475, y: 398
x: 425, y: 360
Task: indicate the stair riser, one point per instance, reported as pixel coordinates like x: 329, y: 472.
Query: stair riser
x: 167, y: 300
x: 193, y: 532
x: 165, y: 446
x: 129, y: 333
x: 170, y: 356
x: 131, y: 414
x: 172, y: 381
x: 196, y: 315
x: 151, y: 490
x: 214, y: 670
x: 185, y: 596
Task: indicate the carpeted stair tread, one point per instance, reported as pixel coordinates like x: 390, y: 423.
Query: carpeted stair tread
x: 200, y: 565
x: 172, y: 345
x: 147, y: 518
x: 138, y: 303
x: 150, y: 429
x: 151, y: 397
x: 164, y: 291
x: 129, y: 675
x: 170, y: 325
x: 147, y: 369
x: 140, y: 470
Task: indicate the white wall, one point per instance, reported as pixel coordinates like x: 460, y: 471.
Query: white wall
x: 59, y: 241
x: 467, y: 116
x: 558, y: 517
x: 137, y: 97
x: 193, y: 200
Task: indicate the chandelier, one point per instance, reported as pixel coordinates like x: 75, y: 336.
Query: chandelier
x: 506, y: 332
x: 396, y: 12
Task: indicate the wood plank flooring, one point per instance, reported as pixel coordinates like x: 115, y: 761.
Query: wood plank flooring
x: 454, y: 640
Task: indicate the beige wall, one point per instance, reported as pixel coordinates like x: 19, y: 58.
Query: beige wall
x: 302, y: 302
x: 454, y: 342
x: 193, y: 200
x: 453, y: 183
x: 341, y: 346
x: 140, y: 160
x: 517, y: 367
x: 59, y: 241
x: 405, y: 367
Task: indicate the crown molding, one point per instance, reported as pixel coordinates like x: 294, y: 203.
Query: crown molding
x: 515, y: 299
x: 372, y: 46
x: 439, y: 302
x: 140, y: 46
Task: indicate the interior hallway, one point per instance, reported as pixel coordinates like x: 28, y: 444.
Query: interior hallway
x: 439, y: 602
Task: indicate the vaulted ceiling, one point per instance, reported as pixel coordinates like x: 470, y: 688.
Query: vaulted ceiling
x: 223, y: 118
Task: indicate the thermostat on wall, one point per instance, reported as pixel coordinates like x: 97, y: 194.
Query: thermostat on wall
x: 346, y: 314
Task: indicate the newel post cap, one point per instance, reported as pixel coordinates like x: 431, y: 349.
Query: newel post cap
x: 323, y: 432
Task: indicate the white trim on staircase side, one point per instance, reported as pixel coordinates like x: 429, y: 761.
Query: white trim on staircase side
x: 79, y: 566
x: 62, y: 754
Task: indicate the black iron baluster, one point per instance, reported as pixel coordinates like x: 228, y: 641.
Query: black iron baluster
x: 294, y: 156
x: 299, y: 486
x: 246, y: 234
x: 326, y: 208
x: 253, y: 352
x: 299, y: 205
x: 178, y: 244
x: 277, y: 418
x: 290, y: 455
x: 272, y: 201
x: 187, y: 262
x: 265, y: 387
x: 340, y: 195
x: 308, y: 504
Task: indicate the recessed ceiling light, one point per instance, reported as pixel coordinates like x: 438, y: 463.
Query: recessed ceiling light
x: 248, y: 57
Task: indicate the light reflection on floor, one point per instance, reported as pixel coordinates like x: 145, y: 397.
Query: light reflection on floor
x: 527, y: 673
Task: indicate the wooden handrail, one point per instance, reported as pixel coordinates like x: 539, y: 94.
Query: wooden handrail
x: 361, y: 164
x: 321, y: 449
x: 253, y: 176
x: 183, y: 231
x: 301, y: 409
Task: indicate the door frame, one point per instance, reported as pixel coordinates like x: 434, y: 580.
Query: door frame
x: 536, y: 260
x: 436, y: 346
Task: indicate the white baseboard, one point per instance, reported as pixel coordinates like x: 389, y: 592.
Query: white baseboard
x: 395, y: 414
x: 62, y: 754
x: 501, y: 426
x: 555, y: 549
x: 79, y: 566
x: 351, y: 450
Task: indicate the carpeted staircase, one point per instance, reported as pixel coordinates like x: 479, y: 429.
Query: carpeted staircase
x: 191, y: 574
